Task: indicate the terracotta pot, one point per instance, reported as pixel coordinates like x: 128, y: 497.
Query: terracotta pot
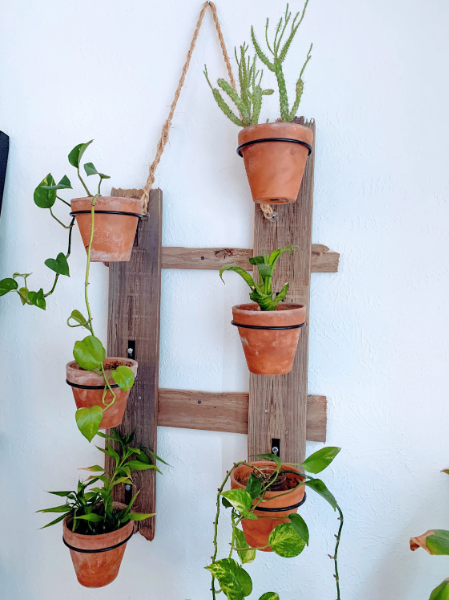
x: 85, y: 398
x: 257, y: 532
x: 269, y: 351
x: 275, y: 169
x: 98, y: 569
x: 113, y: 234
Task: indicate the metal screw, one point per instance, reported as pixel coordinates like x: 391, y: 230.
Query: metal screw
x: 275, y: 450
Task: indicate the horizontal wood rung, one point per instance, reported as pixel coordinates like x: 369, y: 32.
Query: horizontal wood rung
x: 227, y: 412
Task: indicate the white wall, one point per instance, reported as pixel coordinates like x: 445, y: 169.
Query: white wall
x: 377, y: 86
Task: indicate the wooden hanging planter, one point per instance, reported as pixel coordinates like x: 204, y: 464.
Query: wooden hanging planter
x: 275, y: 156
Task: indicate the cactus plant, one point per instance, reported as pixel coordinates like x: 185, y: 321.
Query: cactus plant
x: 279, y: 56
x: 249, y: 102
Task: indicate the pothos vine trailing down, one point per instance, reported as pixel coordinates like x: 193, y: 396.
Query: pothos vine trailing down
x: 286, y: 539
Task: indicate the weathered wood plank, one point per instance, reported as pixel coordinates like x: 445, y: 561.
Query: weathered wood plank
x: 278, y: 405
x: 227, y: 411
x: 134, y: 316
x: 323, y: 261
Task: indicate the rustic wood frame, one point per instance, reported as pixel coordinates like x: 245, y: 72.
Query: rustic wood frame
x: 276, y: 409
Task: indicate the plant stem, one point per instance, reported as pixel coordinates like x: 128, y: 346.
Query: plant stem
x: 69, y: 249
x: 84, y: 185
x: 60, y: 222
x: 62, y: 200
x: 89, y: 249
x: 337, y: 579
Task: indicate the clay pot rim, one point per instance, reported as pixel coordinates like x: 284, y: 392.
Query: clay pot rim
x: 270, y: 495
x: 102, y: 537
x: 73, y: 372
x: 106, y: 199
x: 289, y: 309
x: 278, y: 125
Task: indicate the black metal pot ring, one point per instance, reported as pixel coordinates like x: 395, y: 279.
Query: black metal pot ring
x: 106, y: 212
x: 83, y: 551
x: 285, y: 508
x: 288, y: 140
x: 93, y: 387
x: 266, y: 326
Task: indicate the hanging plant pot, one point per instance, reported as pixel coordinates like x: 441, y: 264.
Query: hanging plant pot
x: 97, y: 558
x: 87, y: 388
x: 269, y: 338
x: 275, y: 156
x: 115, y: 226
x: 278, y: 506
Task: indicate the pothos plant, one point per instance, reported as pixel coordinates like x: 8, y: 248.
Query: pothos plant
x: 436, y: 543
x: 89, y: 353
x: 91, y: 508
x: 262, y: 293
x: 286, y: 540
x: 249, y: 100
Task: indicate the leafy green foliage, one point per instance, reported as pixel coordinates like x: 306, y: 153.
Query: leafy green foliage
x: 45, y: 194
x: 262, y: 293
x: 300, y: 526
x: 37, y: 299
x: 77, y: 153
x: 320, y: 460
x: 123, y: 377
x: 279, y: 54
x: 89, y: 420
x: 438, y: 542
x: 90, y: 508
x: 89, y: 353
x: 246, y: 556
x: 320, y: 488
x: 234, y: 581
x: 8, y: 285
x: 59, y: 265
x: 285, y: 541
x: 240, y: 500
x: 254, y: 486
x: 91, y: 170
x: 64, y: 184
x: 441, y: 592
x: 269, y: 596
x: 249, y: 101
x: 79, y: 318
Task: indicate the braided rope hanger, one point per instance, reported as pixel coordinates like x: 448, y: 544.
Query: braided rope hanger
x: 266, y: 208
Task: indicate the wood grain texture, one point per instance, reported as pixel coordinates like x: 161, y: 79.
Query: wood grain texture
x: 228, y: 412
x: 134, y: 314
x: 323, y: 261
x: 278, y: 404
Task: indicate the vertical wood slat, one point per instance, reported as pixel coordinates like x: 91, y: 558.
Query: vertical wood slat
x: 278, y: 404
x: 134, y: 315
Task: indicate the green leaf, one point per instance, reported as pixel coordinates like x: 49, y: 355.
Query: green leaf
x: 59, y: 265
x: 441, y: 592
x: 123, y: 377
x: 226, y: 503
x: 240, y: 499
x: 136, y: 465
x: 23, y: 293
x: 58, y: 520
x: 273, y: 258
x: 89, y: 421
x: 246, y: 556
x: 8, y: 285
x: 93, y: 469
x: 122, y: 480
x: 254, y: 486
x: 56, y: 509
x: 140, y: 516
x: 246, y: 276
x: 285, y: 541
x: 270, y: 457
x: 113, y: 453
x: 62, y: 494
x: 320, y: 460
x: 45, y: 198
x: 233, y: 579
x: 92, y: 517
x: 38, y: 299
x: 320, y: 488
x: 154, y: 455
x: 79, y: 318
x: 265, y: 270
x: 300, y: 526
x: 257, y: 260
x: 89, y: 353
x: 64, y: 184
x: 91, y: 170
x: 269, y: 596
x: 438, y: 543
x: 76, y: 154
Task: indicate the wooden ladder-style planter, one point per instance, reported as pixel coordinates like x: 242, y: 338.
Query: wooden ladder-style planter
x: 277, y: 412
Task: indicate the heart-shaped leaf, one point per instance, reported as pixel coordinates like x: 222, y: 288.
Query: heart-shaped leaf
x: 123, y: 377
x: 23, y: 293
x: 246, y: 556
x: 441, y: 592
x: 285, y: 541
x: 59, y: 265
x: 269, y: 596
x: 45, y: 198
x: 79, y: 318
x: 8, y: 285
x: 64, y: 184
x: 91, y: 170
x: 226, y: 503
x: 300, y: 526
x: 89, y: 421
x: 240, y: 499
x: 233, y: 579
x: 254, y: 486
x: 89, y: 353
x: 320, y: 488
x: 318, y: 461
x: 38, y: 299
x: 76, y: 154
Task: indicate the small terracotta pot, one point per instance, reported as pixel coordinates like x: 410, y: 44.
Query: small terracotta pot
x: 86, y: 398
x: 95, y: 570
x: 258, y: 532
x: 275, y: 169
x: 113, y: 233
x: 269, y: 351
